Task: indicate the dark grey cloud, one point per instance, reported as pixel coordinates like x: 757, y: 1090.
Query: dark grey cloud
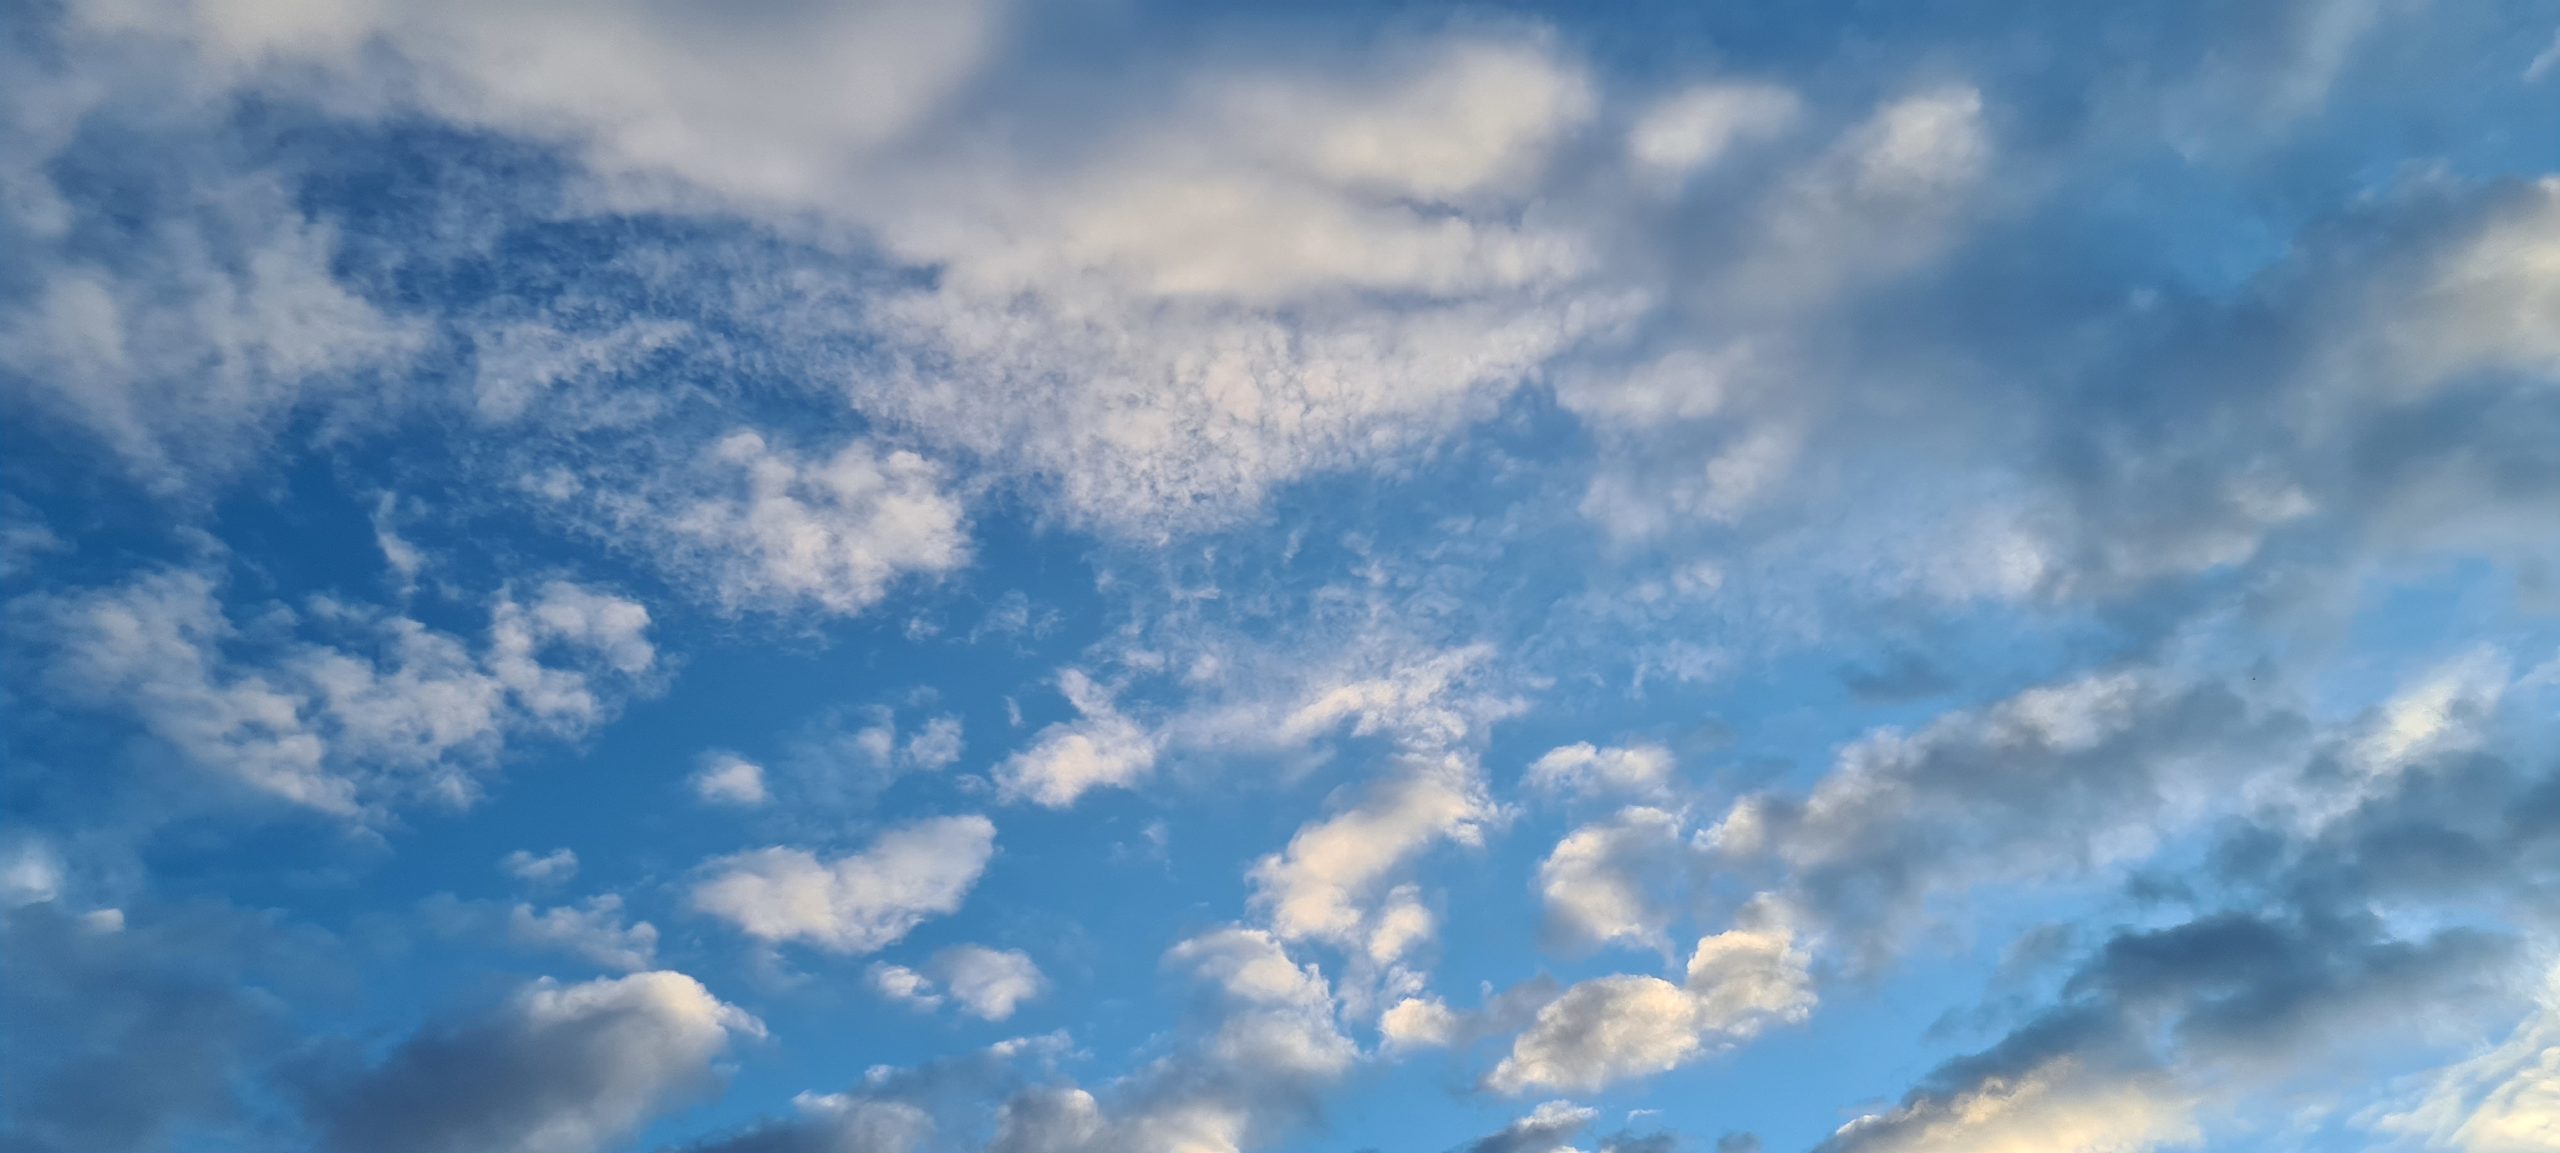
x: 117, y: 1031
x: 557, y: 1069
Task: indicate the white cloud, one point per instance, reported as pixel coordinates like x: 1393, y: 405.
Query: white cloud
x: 937, y: 746
x: 1604, y: 883
x: 2503, y: 1100
x: 403, y: 711
x: 729, y: 779
x: 1694, y: 128
x: 1323, y: 885
x: 902, y: 984
x: 1549, y: 1128
x: 560, y: 1069
x: 856, y: 904
x: 1418, y: 1023
x: 593, y: 930
x: 1586, y: 770
x: 837, y: 533
x: 2060, y: 1105
x: 988, y: 983
x: 1609, y: 1029
x: 1100, y: 749
x: 552, y: 868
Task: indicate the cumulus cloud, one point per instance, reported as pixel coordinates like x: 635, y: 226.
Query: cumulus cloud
x: 2060, y: 777
x: 593, y: 930
x: 985, y: 983
x: 1325, y: 883
x: 555, y: 867
x: 394, y: 711
x: 1610, y: 1029
x: 1100, y: 749
x: 836, y: 533
x: 856, y: 904
x: 1603, y: 883
x: 729, y: 779
x: 1585, y: 770
x: 1550, y: 1128
x: 558, y: 1069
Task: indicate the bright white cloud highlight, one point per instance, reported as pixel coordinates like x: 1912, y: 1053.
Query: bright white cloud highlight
x: 856, y: 904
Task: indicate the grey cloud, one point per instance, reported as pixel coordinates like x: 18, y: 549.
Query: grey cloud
x: 558, y: 1069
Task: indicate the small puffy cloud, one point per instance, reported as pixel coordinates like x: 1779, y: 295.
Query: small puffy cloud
x: 1583, y: 769
x: 985, y: 983
x: 856, y: 904
x: 1418, y: 1023
x: 1610, y: 1029
x: 593, y: 931
x: 1603, y: 883
x: 904, y: 985
x: 1326, y: 883
x: 384, y: 709
x: 1549, y: 1128
x: 558, y: 1069
x: 729, y: 779
x: 988, y: 983
x: 936, y: 746
x: 553, y: 868
x: 836, y: 533
x: 1099, y: 749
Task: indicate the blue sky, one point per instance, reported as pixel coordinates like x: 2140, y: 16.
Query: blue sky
x: 920, y: 575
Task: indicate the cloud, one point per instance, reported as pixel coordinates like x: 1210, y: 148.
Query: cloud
x: 985, y: 983
x: 2055, y: 779
x: 593, y: 931
x: 1100, y: 749
x: 154, y: 1024
x: 1584, y: 770
x: 1613, y: 1028
x: 1549, y: 1128
x: 399, y: 712
x: 1325, y: 883
x: 856, y: 904
x: 2504, y: 1100
x: 2058, y: 1106
x: 988, y: 983
x: 215, y: 323
x: 1690, y: 130
x: 837, y: 533
x: 1603, y: 882
x: 558, y: 1069
x: 555, y: 867
x: 729, y: 779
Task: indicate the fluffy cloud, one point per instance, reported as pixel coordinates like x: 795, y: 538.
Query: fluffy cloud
x: 555, y: 867
x: 593, y: 931
x: 1586, y: 770
x: 836, y: 533
x: 1549, y: 1128
x: 1692, y: 129
x: 1324, y: 885
x: 856, y: 904
x: 1099, y: 749
x: 729, y: 779
x: 1609, y: 1029
x: 1603, y: 883
x: 2057, y: 778
x: 986, y: 983
x: 402, y: 711
x: 558, y: 1069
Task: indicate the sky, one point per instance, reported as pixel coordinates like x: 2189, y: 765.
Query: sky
x: 1106, y: 576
